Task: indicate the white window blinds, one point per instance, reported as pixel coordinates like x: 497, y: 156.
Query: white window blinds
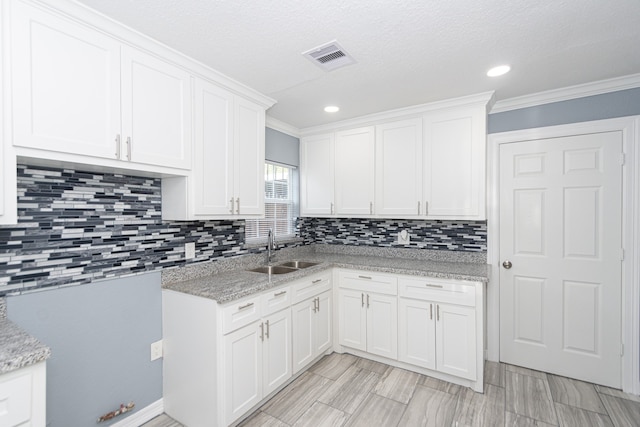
x: 278, y: 206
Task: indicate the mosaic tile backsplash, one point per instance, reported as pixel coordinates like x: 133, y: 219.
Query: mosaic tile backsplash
x: 444, y: 235
x: 75, y: 227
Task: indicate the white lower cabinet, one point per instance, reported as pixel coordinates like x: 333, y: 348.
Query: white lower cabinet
x: 257, y: 361
x: 368, y: 320
x: 311, y: 329
x: 22, y: 397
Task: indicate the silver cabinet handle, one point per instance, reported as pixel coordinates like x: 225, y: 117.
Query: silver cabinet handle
x: 418, y: 207
x: 433, y: 286
x: 279, y: 293
x: 231, y: 202
x: 426, y: 208
x: 238, y: 205
x: 317, y: 281
x: 117, y: 146
x: 315, y: 305
x: 371, y: 208
x: 266, y: 334
x: 430, y: 311
x: 365, y: 277
x: 129, y: 148
x: 247, y: 305
x: 438, y: 312
x: 367, y: 300
x: 261, y: 331
x: 332, y: 208
x: 362, y: 298
x: 318, y: 299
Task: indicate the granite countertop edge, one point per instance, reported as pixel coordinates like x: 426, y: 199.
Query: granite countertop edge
x: 228, y: 286
x: 18, y: 349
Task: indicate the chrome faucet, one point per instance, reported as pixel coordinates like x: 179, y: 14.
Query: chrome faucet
x: 271, y: 245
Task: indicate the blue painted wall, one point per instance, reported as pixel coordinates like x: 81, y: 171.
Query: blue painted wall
x: 100, y: 336
x: 597, y: 107
x: 282, y: 148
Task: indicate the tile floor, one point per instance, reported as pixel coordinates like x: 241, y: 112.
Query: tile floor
x: 344, y: 390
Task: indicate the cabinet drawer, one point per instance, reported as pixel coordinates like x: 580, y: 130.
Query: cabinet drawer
x: 275, y: 300
x: 310, y: 287
x: 15, y: 399
x: 368, y: 282
x: 438, y: 290
x: 242, y: 313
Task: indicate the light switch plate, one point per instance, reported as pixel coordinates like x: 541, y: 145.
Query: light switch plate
x: 190, y: 250
x: 156, y: 350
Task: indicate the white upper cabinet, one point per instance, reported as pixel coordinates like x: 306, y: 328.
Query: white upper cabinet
x: 454, y: 163
x: 65, y: 83
x: 354, y: 171
x: 80, y: 92
x: 399, y: 168
x: 317, y: 175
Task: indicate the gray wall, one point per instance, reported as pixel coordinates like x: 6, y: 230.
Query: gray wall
x: 282, y: 148
x: 597, y: 107
x: 99, y: 336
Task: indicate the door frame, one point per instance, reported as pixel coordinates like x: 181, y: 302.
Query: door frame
x: 630, y: 316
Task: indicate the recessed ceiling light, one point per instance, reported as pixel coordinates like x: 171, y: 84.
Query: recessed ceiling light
x: 331, y: 109
x: 498, y: 71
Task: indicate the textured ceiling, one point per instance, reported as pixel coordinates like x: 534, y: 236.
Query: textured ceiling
x: 407, y: 52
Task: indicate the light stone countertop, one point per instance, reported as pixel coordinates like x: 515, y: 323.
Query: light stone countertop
x: 231, y: 284
x: 18, y: 349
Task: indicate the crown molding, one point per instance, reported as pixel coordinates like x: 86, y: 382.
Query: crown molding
x: 484, y: 98
x: 567, y: 93
x: 281, y: 126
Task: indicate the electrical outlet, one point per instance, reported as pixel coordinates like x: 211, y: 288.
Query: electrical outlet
x: 190, y: 250
x: 404, y: 237
x: 156, y: 350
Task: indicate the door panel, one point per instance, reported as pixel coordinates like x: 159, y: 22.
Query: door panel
x: 277, y: 350
x: 302, y: 324
x: 416, y: 333
x: 561, y: 228
x: 353, y: 320
x: 382, y: 325
x: 323, y: 323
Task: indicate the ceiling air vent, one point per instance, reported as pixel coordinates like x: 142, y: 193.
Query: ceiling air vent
x: 329, y: 56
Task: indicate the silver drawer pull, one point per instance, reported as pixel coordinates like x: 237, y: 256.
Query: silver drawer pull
x: 317, y: 281
x: 434, y: 286
x: 365, y: 277
x: 247, y: 305
x: 279, y: 293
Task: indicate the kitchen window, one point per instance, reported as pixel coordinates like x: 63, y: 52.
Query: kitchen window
x: 279, y: 205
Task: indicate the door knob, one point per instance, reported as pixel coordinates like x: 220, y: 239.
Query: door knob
x: 507, y: 264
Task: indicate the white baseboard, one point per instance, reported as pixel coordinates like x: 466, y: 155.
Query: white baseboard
x: 142, y: 416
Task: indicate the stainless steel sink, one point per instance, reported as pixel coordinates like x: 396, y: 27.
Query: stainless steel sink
x: 273, y: 269
x: 298, y: 264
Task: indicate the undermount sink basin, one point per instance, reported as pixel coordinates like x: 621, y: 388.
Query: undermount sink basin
x: 273, y: 269
x: 298, y: 264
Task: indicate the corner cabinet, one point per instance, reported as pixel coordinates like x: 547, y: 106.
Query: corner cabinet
x: 81, y: 93
x: 354, y: 172
x: 317, y: 175
x: 227, y: 180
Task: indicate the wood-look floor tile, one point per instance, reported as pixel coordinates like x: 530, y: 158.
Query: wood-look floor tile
x: 575, y: 393
x: 526, y: 371
x: 623, y: 412
x: 377, y: 411
x: 515, y: 420
x: 350, y: 390
x: 372, y: 365
x: 163, y: 421
x: 261, y: 419
x: 476, y: 409
x: 494, y: 373
x: 333, y: 365
x: 397, y: 384
x: 297, y: 397
x: 617, y: 393
x: 429, y: 408
x: 439, y: 385
x: 529, y: 396
x: 569, y: 416
x: 321, y: 415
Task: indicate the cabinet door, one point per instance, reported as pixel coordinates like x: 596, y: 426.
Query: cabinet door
x: 456, y: 340
x: 353, y: 319
x: 323, y: 324
x: 354, y: 171
x: 156, y: 111
x: 243, y: 370
x: 249, y: 158
x: 66, y: 84
x: 276, y: 352
x: 303, y: 332
x: 399, y: 168
x: 416, y: 333
x: 316, y: 175
x: 382, y: 325
x: 454, y: 164
x: 213, y: 161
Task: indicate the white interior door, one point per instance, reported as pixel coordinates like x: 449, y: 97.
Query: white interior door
x: 561, y: 230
